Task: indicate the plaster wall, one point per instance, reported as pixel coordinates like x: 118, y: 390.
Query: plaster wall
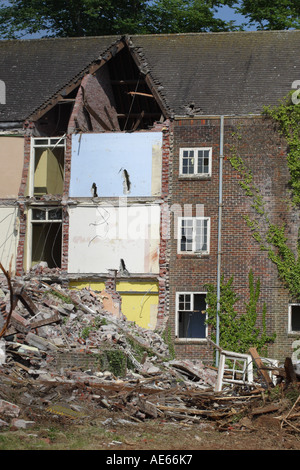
x: 8, y: 236
x: 100, y: 236
x: 11, y: 162
x: 139, y: 299
x: 102, y: 159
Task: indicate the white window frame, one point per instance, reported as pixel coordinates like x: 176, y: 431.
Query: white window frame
x: 194, y: 228
x: 31, y: 221
x: 196, y: 156
x: 192, y: 296
x: 290, y: 331
x: 52, y: 142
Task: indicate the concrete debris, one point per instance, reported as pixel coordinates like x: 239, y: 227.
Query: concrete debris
x: 63, y: 353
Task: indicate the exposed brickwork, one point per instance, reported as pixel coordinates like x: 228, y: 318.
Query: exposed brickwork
x: 259, y: 145
x: 261, y: 148
x: 65, y: 225
x: 21, y: 203
x: 164, y: 229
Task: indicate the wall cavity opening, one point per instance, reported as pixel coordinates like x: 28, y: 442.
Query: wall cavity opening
x: 46, y: 236
x: 48, y: 166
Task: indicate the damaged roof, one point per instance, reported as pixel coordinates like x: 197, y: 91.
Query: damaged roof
x: 194, y: 74
x: 35, y: 70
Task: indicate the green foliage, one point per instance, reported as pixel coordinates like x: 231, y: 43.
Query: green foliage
x: 237, y: 332
x: 167, y: 337
x: 96, y: 324
x: 287, y: 115
x: 185, y: 16
x: 117, y: 362
x: 73, y: 18
x: 274, y: 15
x: 273, y: 239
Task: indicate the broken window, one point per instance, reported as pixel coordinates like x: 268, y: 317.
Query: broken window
x: 195, y: 161
x: 193, y: 234
x: 191, y: 315
x: 47, y: 172
x: 294, y: 318
x: 46, y: 236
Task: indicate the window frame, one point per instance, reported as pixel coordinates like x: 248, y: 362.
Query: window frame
x: 50, y: 142
x: 31, y: 221
x: 179, y: 236
x: 177, y: 311
x: 195, y: 174
x: 290, y: 330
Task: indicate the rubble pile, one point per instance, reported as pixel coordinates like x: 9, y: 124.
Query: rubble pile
x: 62, y: 354
x: 52, y: 318
x: 50, y: 336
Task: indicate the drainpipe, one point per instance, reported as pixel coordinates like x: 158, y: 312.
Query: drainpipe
x: 219, y: 235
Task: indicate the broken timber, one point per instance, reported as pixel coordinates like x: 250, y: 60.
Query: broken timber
x: 261, y: 367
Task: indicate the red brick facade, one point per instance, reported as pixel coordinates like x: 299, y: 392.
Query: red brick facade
x: 258, y: 143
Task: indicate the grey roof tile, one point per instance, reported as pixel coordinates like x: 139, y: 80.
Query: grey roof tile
x: 223, y: 73
x: 219, y: 73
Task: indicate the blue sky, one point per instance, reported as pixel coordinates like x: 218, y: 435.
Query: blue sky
x: 226, y: 13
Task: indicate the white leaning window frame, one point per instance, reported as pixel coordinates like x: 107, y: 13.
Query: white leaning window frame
x: 195, y: 157
x: 195, y: 235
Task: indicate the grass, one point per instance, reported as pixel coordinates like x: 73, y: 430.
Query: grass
x: 85, y: 437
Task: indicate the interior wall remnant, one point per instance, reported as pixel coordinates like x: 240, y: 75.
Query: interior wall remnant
x: 139, y: 299
x: 48, y: 171
x: 9, y: 235
x: 103, y: 235
x: 46, y: 244
x: 44, y: 232
x: 11, y: 162
x: 47, y: 167
x: 103, y: 158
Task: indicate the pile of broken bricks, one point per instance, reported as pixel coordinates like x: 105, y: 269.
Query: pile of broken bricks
x: 40, y: 322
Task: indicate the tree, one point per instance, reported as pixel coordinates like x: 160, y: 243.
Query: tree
x: 270, y: 15
x: 70, y: 18
x: 73, y: 18
x: 185, y: 16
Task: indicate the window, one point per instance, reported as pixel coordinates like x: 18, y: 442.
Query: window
x: 294, y: 318
x: 195, y: 161
x: 191, y: 315
x: 47, y: 169
x: 193, y: 234
x: 46, y: 236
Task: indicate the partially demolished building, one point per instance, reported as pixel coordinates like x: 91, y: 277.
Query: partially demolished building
x: 116, y: 175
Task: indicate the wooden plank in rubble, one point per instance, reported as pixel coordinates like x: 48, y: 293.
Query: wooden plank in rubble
x: 261, y: 367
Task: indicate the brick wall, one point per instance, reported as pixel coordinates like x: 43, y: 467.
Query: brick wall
x: 112, y: 360
x: 164, y: 230
x: 22, y: 202
x: 259, y: 145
